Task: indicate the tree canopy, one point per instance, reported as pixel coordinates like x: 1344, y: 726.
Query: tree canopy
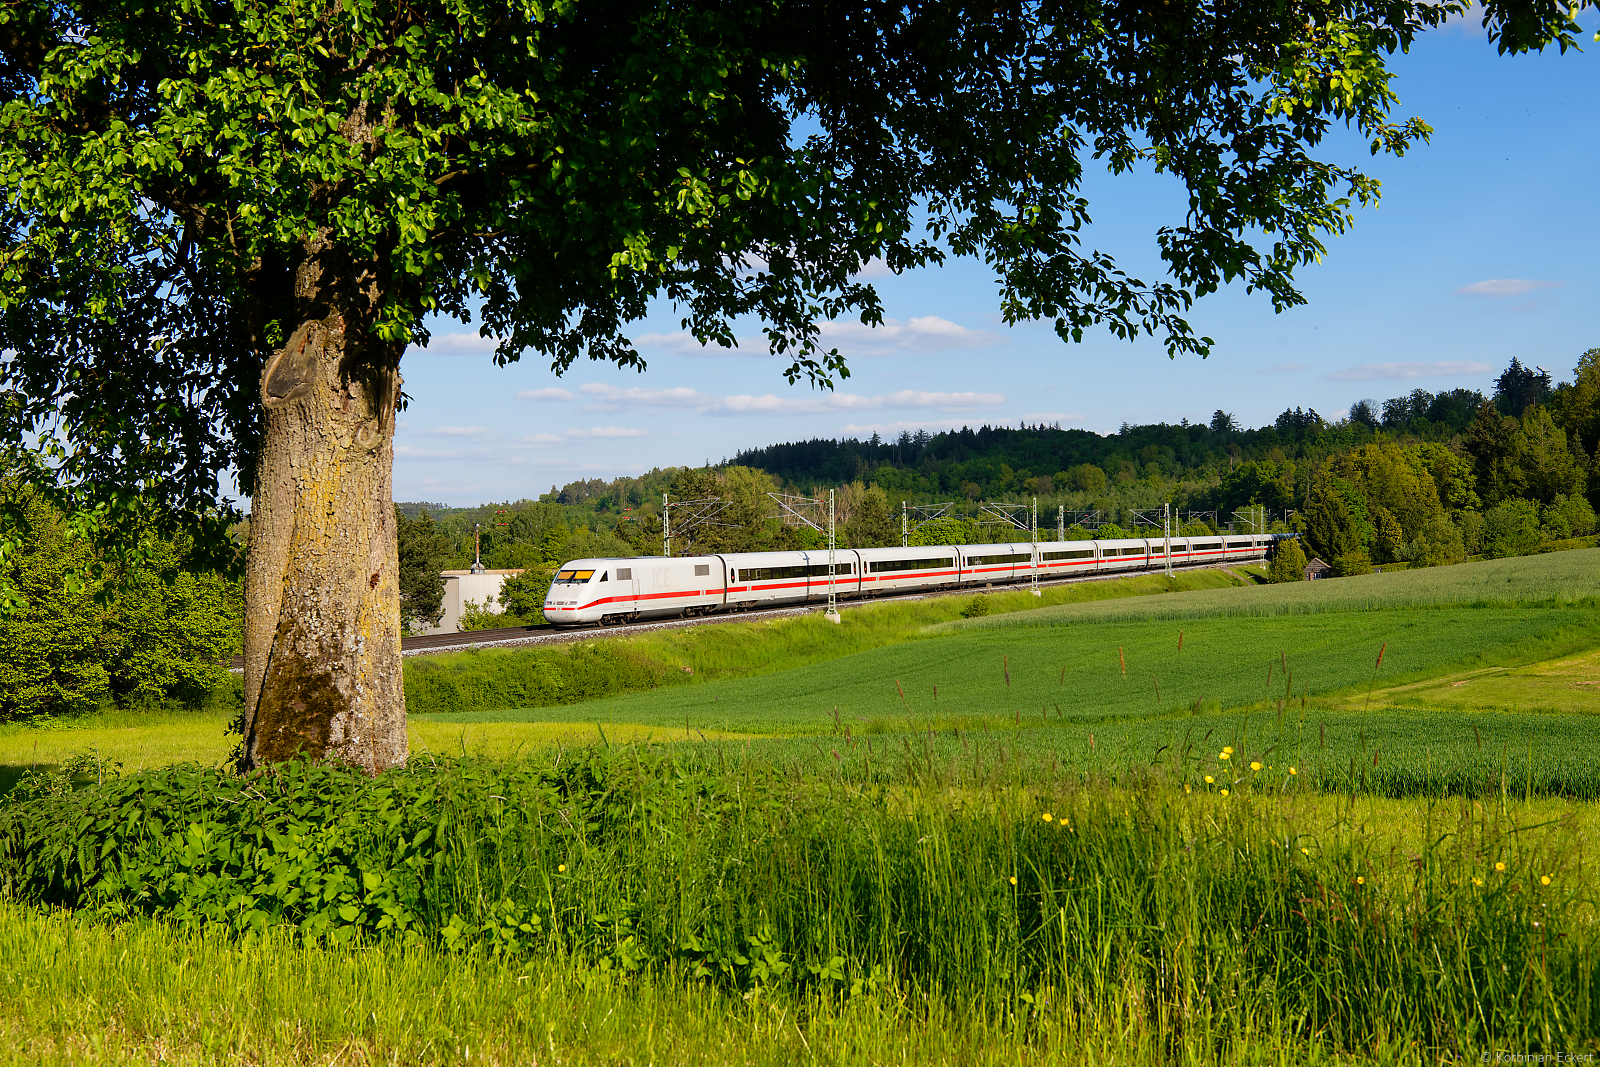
x: 552, y: 168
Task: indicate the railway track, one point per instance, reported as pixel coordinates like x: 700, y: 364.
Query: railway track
x: 508, y: 636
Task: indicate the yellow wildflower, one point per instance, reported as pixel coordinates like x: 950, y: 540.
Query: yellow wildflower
x: 1046, y: 816
x: 562, y: 869
x: 1013, y: 879
x: 1305, y: 852
x: 1224, y: 754
x: 1255, y: 766
x: 1210, y: 780
x: 1361, y: 880
x: 1293, y: 771
x: 1187, y: 788
x: 1224, y: 792
x: 1499, y: 866
x: 1228, y: 749
x: 1544, y: 879
x: 1477, y: 881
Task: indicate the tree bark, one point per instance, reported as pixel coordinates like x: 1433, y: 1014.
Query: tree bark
x: 322, y: 592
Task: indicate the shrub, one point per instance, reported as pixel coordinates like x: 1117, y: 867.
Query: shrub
x: 1350, y: 564
x: 976, y: 608
x: 492, y: 679
x: 1568, y: 517
x: 1512, y: 529
x: 523, y: 594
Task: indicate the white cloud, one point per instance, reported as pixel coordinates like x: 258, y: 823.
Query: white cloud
x: 1283, y: 368
x: 929, y: 333
x: 545, y: 394
x: 608, y: 432
x: 874, y: 268
x: 609, y: 398
x: 1503, y: 287
x: 456, y: 431
x: 1405, y: 372
x: 461, y: 344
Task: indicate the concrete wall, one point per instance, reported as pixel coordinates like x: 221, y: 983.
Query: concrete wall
x: 462, y: 586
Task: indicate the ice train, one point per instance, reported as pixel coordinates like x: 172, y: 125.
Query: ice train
x: 651, y: 587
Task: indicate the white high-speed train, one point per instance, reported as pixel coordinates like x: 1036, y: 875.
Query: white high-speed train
x: 650, y: 587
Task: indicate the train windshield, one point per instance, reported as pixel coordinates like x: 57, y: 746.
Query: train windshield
x: 573, y: 577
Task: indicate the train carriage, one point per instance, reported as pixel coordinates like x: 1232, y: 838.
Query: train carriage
x: 888, y: 570
x: 773, y: 578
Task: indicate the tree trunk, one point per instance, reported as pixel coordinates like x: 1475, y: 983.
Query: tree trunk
x: 322, y: 592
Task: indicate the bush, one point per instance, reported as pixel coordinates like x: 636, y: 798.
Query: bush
x: 976, y: 608
x: 1512, y: 529
x: 1351, y: 564
x: 523, y: 594
x: 493, y: 679
x: 1288, y: 562
x: 1567, y: 517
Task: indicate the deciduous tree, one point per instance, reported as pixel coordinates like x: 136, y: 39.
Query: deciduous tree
x: 222, y: 224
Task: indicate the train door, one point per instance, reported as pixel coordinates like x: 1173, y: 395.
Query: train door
x: 625, y: 591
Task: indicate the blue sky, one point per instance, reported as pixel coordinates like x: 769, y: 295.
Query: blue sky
x: 1485, y: 247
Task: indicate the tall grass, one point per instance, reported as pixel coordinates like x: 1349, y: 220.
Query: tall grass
x: 1186, y: 924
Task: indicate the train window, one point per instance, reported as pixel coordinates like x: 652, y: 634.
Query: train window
x: 882, y: 565
x: 820, y: 570
x: 768, y: 574
x: 1238, y: 544
x: 702, y: 570
x: 573, y: 577
x: 1209, y: 546
x: 624, y: 574
x: 1077, y: 553
x: 985, y: 561
x: 605, y: 576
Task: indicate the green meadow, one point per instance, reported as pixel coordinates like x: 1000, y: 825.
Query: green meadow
x: 1201, y: 821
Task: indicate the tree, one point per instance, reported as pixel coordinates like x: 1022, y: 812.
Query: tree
x: 422, y: 549
x: 870, y: 525
x: 222, y: 225
x: 1222, y: 423
x: 1336, y: 519
x: 1288, y: 562
x: 1365, y: 413
x: 1519, y: 388
x: 64, y: 650
x: 1549, y: 467
x: 1086, y: 478
x: 1494, y: 441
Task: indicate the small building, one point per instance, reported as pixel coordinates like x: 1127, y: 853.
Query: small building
x: 1317, y: 569
x: 476, y: 585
